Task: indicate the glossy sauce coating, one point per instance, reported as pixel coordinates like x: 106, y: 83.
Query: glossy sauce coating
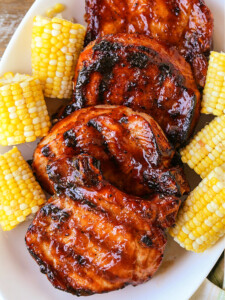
x: 186, y: 25
x: 142, y: 74
x: 134, y: 153
x: 93, y: 238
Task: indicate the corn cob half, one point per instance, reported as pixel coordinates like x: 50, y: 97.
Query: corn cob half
x: 23, y: 111
x: 207, y: 149
x: 201, y: 220
x: 56, y: 45
x: 20, y: 194
x: 214, y: 92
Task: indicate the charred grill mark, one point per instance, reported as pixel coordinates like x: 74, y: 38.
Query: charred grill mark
x: 95, y: 125
x: 51, y: 273
x: 131, y: 86
x: 147, y: 241
x: 107, y: 59
x: 90, y: 36
x: 153, y: 54
x: 138, y: 60
x: 46, y: 151
x: 69, y: 109
x: 54, y: 212
x: 58, y: 188
x: 96, y: 163
x: 190, y: 115
x: 54, y: 276
x: 169, y: 150
x: 70, y: 138
x: 81, y: 260
x: 41, y: 263
x: 123, y: 120
x: 74, y: 193
x: 82, y: 263
x: 88, y: 176
x: 163, y: 180
x: 164, y: 66
x: 114, y: 214
x: 79, y: 291
x: 76, y: 172
x: 89, y: 204
x: 51, y: 170
x: 103, y: 124
x: 176, y: 11
x: 55, y: 176
x: 151, y: 181
x: 103, y: 86
x: 107, y: 46
x: 82, y: 81
x: 104, y: 65
x: 165, y: 71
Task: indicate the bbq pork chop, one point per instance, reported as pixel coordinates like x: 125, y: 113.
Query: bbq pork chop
x: 138, y: 72
x: 135, y: 154
x: 93, y: 238
x: 184, y: 25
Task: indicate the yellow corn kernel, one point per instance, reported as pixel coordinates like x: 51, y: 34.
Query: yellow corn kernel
x: 21, y: 100
x: 200, y: 220
x: 58, y: 59
x: 53, y: 11
x: 8, y: 75
x: 50, y: 13
x: 20, y: 194
x: 59, y: 7
x: 206, y: 151
x: 213, y: 101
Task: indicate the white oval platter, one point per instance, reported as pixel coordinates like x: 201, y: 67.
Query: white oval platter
x: 181, y: 272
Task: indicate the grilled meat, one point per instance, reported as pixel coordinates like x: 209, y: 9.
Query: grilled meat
x: 140, y: 73
x: 185, y: 25
x: 93, y: 238
x: 135, y: 155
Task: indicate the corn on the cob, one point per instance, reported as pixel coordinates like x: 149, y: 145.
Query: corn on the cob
x: 20, y: 194
x: 214, y: 92
x: 56, y: 44
x: 201, y: 220
x: 207, y: 149
x: 23, y: 111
